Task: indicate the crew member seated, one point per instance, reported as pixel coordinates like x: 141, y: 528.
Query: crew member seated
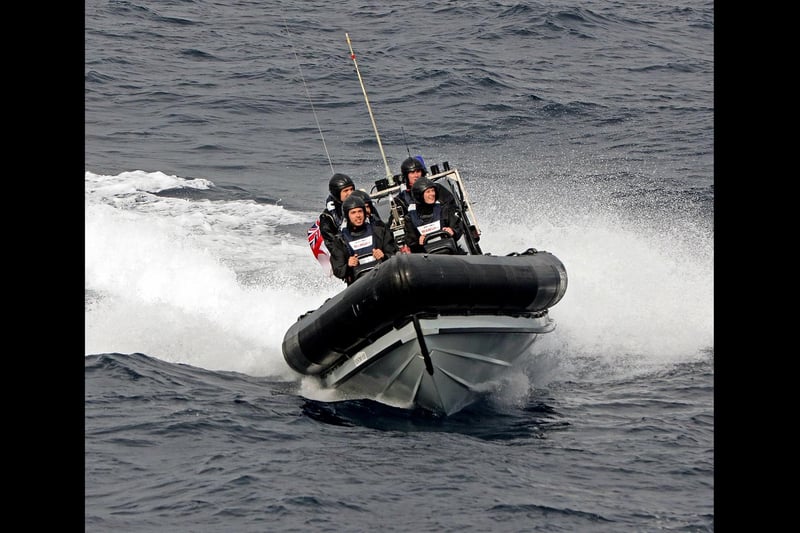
x: 361, y: 245
x: 372, y: 212
x: 340, y: 186
x: 432, y: 226
x: 412, y: 169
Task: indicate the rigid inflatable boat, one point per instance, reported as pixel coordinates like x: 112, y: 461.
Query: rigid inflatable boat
x: 430, y: 330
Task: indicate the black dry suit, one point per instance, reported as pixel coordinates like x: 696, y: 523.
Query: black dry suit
x: 429, y: 219
x: 360, y: 241
x: 331, y: 219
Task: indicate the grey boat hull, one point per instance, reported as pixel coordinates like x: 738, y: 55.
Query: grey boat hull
x: 445, y: 367
x: 429, y: 331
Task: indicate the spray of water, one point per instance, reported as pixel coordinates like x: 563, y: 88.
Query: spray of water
x: 216, y: 284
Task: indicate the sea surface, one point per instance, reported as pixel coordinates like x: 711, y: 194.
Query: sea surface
x: 211, y: 129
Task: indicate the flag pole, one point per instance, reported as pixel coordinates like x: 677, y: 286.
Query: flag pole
x: 366, y: 99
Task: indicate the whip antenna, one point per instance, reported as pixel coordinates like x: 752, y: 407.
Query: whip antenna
x: 314, y: 111
x: 353, y: 57
x: 402, y: 129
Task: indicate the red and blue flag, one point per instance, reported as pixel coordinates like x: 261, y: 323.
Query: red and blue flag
x: 318, y: 248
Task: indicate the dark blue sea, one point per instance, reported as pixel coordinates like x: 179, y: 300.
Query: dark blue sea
x: 211, y: 129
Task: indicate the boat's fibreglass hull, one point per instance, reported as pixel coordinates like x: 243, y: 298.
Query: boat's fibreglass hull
x: 456, y: 359
x: 429, y: 331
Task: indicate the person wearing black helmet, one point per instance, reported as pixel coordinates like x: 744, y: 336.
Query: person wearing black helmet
x: 431, y: 219
x: 361, y: 245
x: 412, y: 169
x: 340, y: 187
x: 372, y: 212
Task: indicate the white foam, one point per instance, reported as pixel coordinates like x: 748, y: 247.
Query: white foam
x: 217, y: 284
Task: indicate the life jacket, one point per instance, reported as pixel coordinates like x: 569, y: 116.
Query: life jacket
x: 437, y: 241
x: 434, y: 222
x: 361, y: 246
x: 406, y: 199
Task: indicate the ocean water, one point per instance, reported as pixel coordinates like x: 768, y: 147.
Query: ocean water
x: 211, y: 128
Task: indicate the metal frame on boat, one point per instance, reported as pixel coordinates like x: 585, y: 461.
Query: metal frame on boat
x: 449, y: 178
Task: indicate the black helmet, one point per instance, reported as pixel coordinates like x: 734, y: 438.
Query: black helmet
x: 419, y: 188
x: 412, y: 163
x: 364, y: 195
x: 351, y: 202
x: 337, y: 183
